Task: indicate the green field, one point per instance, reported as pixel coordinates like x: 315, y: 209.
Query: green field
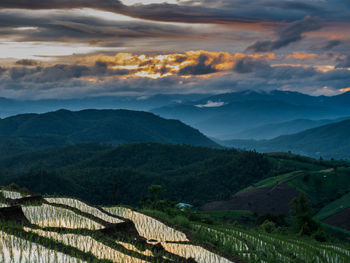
x: 271, y: 181
x: 328, y: 189
x: 321, y: 187
x: 334, y: 207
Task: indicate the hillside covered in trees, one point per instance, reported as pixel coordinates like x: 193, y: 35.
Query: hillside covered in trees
x: 63, y: 127
x: 109, y: 175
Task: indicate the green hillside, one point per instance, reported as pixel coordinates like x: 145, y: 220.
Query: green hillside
x: 108, y: 175
x: 322, y: 187
x: 327, y: 189
x: 335, y: 207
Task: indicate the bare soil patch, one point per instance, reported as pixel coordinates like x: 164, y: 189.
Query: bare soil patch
x: 341, y: 219
x: 274, y: 199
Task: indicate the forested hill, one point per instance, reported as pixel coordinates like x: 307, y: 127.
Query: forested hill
x: 103, y: 126
x: 104, y: 174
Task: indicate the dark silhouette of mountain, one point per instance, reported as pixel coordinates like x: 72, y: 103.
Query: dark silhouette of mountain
x: 9, y: 107
x: 328, y: 141
x: 103, y: 126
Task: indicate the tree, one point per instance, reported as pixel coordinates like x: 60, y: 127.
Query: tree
x: 301, y: 209
x: 154, y: 191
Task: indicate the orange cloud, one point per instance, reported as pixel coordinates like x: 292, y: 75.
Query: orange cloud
x: 301, y: 56
x: 192, y: 63
x: 345, y: 90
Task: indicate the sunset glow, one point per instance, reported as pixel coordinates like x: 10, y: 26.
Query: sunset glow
x: 140, y: 43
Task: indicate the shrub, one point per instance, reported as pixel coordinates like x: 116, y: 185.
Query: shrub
x: 278, y: 219
x: 207, y: 220
x: 320, y: 235
x: 181, y: 221
x: 268, y: 226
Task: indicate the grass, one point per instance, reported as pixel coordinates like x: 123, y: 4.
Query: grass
x: 334, y: 207
x: 322, y: 188
x: 292, y: 164
x: 271, y: 181
x: 231, y: 216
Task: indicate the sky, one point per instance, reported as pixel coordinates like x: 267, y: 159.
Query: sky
x: 84, y: 48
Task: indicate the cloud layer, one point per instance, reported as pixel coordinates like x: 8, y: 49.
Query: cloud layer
x: 193, y: 71
x: 190, y: 46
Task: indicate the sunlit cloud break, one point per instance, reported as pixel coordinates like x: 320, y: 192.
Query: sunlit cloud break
x: 191, y: 63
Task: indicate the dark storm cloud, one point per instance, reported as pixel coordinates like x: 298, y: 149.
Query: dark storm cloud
x: 158, y: 12
x: 53, y: 27
x: 292, y: 73
x: 2, y: 70
x: 248, y: 65
x: 18, y: 73
x: 203, y: 11
x: 233, y: 11
x: 61, y: 72
x: 343, y: 62
x: 201, y: 67
x: 282, y: 10
x: 27, y: 62
x: 291, y: 33
x: 331, y: 44
x: 62, y: 4
x: 73, y: 27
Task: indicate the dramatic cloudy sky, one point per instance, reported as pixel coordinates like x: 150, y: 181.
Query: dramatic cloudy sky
x: 79, y: 48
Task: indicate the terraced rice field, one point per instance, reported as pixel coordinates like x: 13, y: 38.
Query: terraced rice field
x: 70, y: 230
x: 14, y: 249
x: 198, y: 253
x: 50, y: 230
x: 3, y: 204
x: 50, y: 216
x: 84, y: 208
x: 88, y: 244
x: 254, y: 246
x: 12, y: 194
x: 147, y: 226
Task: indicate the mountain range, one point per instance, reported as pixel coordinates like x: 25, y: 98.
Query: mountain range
x: 264, y: 121
x: 273, y: 130
x: 329, y: 141
x: 236, y: 115
x: 228, y: 116
x: 11, y: 107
